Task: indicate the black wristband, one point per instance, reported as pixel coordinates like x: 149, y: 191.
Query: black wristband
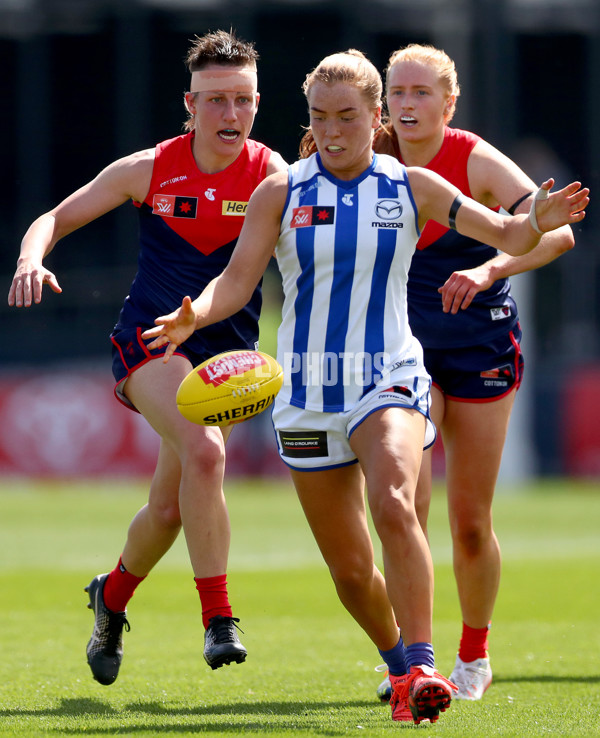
x: 512, y: 208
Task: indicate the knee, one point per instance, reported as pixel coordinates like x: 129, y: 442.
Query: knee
x: 352, y: 574
x: 165, y: 514
x: 471, y: 536
x: 393, y: 514
x: 204, y: 456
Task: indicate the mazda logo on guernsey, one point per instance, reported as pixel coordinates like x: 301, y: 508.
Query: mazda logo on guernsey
x: 388, y: 209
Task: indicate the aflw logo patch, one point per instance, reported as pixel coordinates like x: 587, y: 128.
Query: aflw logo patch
x: 309, y: 215
x: 174, y: 206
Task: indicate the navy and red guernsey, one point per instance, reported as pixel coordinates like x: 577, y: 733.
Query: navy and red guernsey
x: 189, y: 226
x: 441, y: 251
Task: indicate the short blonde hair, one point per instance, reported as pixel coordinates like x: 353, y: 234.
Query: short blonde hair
x: 435, y: 59
x: 352, y: 67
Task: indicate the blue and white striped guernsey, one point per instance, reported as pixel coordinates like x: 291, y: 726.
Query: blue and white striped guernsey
x: 343, y: 253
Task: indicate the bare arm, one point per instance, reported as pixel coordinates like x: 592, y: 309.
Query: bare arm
x: 276, y: 163
x: 233, y: 288
x: 495, y: 180
x: 122, y: 180
x: 434, y: 197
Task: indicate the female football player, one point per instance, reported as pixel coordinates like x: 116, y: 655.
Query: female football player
x: 355, y: 402
x: 461, y: 310
x: 183, y: 189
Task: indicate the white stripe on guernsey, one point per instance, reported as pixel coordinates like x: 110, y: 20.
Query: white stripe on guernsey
x: 339, y: 321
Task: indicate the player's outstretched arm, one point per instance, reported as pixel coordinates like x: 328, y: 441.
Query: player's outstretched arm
x: 438, y: 200
x: 30, y: 275
x: 125, y: 178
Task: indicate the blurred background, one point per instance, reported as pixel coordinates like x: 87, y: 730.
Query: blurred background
x: 86, y: 81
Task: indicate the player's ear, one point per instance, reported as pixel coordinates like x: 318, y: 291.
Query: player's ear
x: 377, y: 117
x: 189, y: 100
x: 257, y: 100
x: 449, y: 108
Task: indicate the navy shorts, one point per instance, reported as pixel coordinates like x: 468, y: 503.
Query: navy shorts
x: 478, y: 373
x: 130, y: 352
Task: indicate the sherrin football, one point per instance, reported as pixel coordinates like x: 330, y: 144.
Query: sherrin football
x: 229, y: 388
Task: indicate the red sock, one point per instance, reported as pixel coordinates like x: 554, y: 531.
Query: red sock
x: 119, y: 588
x: 474, y: 643
x: 213, y: 597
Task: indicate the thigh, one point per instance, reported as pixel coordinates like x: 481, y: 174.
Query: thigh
x: 334, y: 505
x: 425, y: 480
x: 152, y: 389
x: 474, y: 436
x: 389, y: 446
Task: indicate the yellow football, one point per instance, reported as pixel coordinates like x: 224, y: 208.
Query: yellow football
x: 229, y: 388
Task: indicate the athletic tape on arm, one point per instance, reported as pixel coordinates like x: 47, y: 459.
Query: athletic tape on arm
x: 539, y: 195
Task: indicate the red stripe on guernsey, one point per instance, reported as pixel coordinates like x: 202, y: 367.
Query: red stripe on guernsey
x: 451, y: 163
x: 207, y: 210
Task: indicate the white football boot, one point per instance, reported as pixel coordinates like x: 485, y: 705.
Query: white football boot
x: 472, y: 678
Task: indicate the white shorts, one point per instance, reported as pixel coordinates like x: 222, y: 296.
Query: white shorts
x: 314, y: 441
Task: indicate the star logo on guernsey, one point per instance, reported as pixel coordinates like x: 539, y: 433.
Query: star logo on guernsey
x: 174, y: 206
x: 347, y: 199
x: 209, y: 194
x: 310, y: 215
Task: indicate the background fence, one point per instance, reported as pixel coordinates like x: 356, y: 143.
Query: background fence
x: 86, y: 81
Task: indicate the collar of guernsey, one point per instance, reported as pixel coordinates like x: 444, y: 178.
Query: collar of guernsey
x: 206, y: 210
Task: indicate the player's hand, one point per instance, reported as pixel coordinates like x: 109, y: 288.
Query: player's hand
x: 28, y: 282
x: 461, y: 287
x: 172, y: 329
x: 564, y: 207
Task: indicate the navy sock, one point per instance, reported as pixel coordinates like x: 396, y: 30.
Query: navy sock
x: 394, y: 658
x: 419, y: 654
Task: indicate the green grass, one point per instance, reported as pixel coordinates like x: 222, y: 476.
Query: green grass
x: 310, y: 668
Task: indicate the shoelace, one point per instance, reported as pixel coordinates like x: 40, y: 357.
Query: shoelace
x: 405, y: 686
x: 224, y: 628
x: 116, y: 622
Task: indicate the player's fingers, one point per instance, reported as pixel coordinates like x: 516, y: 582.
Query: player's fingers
x: 163, y: 319
x: 36, y: 287
x: 53, y: 283
x: 152, y: 332
x: 580, y: 199
x: 12, y: 300
x: 169, y: 352
x: 447, y: 297
x: 468, y: 299
x: 24, y: 297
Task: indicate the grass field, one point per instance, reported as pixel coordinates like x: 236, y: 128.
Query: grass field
x: 310, y: 668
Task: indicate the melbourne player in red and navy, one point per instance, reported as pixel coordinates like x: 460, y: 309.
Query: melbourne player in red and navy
x: 191, y: 193
x: 462, y: 312
x: 197, y: 217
